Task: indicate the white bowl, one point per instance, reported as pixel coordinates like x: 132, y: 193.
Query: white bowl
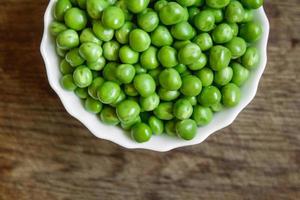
x: 158, y: 143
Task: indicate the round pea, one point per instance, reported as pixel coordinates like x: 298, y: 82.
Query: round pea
x: 217, y: 3
x: 60, y: 52
x: 113, y: 17
x: 183, y: 31
x: 204, y: 21
x: 234, y: 12
x: 170, y: 79
x: 191, y: 86
x: 186, y: 129
x: 240, y: 74
x: 149, y: 59
x: 67, y: 82
x: 74, y: 58
x: 199, y: 64
x: 111, y: 50
x: 179, y: 44
x: 149, y: 103
x: 155, y: 74
x: 81, y: 93
x: 170, y: 128
x: 139, y: 69
x: 109, y: 116
x: 217, y: 107
x: 202, y: 115
x: 189, y: 54
x: 144, y: 84
x: 167, y: 56
x: 102, y: 32
x: 219, y: 57
x: 91, y: 52
x: 65, y: 67
x: 172, y: 13
x: 93, y: 105
x: 156, y: 125
x: 108, y: 92
x: 248, y: 15
x: 251, y: 58
x: 121, y: 98
x: 93, y: 88
x: 67, y: 39
x: 148, y: 20
x: 75, y: 19
x: 87, y: 35
x: 127, y: 55
x: 56, y: 28
x: 109, y: 72
x: 206, y: 76
x: 252, y: 4
x: 130, y: 90
x: 251, y: 31
x: 204, y: 41
x: 235, y: 28
x: 222, y: 33
x: 161, y: 36
x: 168, y: 95
x: 82, y: 76
x: 223, y: 76
x: 209, y: 96
x: 237, y: 47
x: 143, y: 39
x: 164, y: 111
x: 96, y: 7
x: 128, y: 125
x: 180, y: 68
x: 218, y: 14
x: 231, y: 95
x: 192, y: 100
x: 125, y: 73
x: 60, y: 9
x: 141, y: 132
x: 137, y: 6
x: 128, y: 110
x: 159, y: 5
x: 193, y: 11
x: 98, y: 64
x: 182, y: 109
x: 122, y: 34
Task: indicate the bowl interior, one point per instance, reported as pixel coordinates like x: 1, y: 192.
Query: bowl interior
x: 158, y: 143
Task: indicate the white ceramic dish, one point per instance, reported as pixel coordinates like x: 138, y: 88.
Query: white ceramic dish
x: 158, y: 143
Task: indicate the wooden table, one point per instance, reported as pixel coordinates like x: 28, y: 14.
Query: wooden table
x: 46, y: 154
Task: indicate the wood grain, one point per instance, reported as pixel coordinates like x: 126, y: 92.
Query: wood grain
x: 46, y: 154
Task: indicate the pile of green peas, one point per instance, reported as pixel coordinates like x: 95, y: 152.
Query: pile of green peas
x: 156, y: 66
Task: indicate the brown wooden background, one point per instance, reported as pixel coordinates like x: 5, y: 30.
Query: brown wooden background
x: 45, y: 154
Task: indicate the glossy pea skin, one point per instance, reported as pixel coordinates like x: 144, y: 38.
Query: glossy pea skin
x: 75, y: 19
x: 222, y: 33
x: 204, y: 21
x: 81, y: 93
x: 217, y: 3
x: 60, y: 52
x: 193, y: 11
x: 149, y: 103
x: 128, y: 55
x: 198, y: 64
x: 137, y: 6
x: 167, y: 56
x: 130, y: 90
x: 108, y: 92
x: 218, y: 14
x: 125, y: 73
x: 57, y: 27
x: 248, y: 15
x: 170, y: 79
x: 91, y: 52
x: 189, y: 54
x: 139, y: 40
x: 67, y: 39
x: 186, y: 3
x: 206, y: 75
x: 96, y: 7
x: 237, y: 47
x: 144, y: 84
x: 168, y: 95
x: 60, y: 9
x: 161, y: 36
x: 65, y: 67
x: 252, y: 4
x: 82, y: 76
x: 180, y: 44
x: 251, y: 58
x: 209, y: 96
x: 164, y: 111
x: 148, y: 20
x: 171, y: 14
x: 120, y: 98
x: 155, y: 74
x: 113, y: 17
x: 122, y: 34
x: 235, y: 28
x: 183, y: 31
x: 148, y: 59
x: 180, y: 68
x: 128, y: 125
x: 170, y: 128
x: 109, y: 72
x: 87, y: 35
x: 109, y: 116
x: 102, y: 32
x: 191, y: 86
x: 186, y: 129
x: 111, y: 50
x: 204, y: 41
x: 234, y: 12
x: 67, y: 82
x: 217, y: 107
x: 240, y: 74
x: 223, y: 76
x: 128, y: 110
x: 139, y: 69
x: 182, y: 109
x: 98, y: 64
x: 92, y: 105
x: 159, y: 5
x: 251, y: 31
x: 141, y: 132
x: 231, y: 95
x: 74, y: 58
x: 93, y: 88
x: 202, y: 115
x: 219, y: 57
x: 156, y: 125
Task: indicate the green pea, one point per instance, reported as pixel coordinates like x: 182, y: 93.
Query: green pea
x: 91, y: 52
x: 192, y: 100
x: 113, y: 17
x: 65, y: 67
x: 67, y: 82
x: 148, y: 20
x: 74, y: 58
x: 164, y: 111
x: 81, y: 93
x: 128, y: 125
x: 170, y: 79
x: 130, y: 90
x: 108, y: 92
x: 139, y: 69
x: 180, y: 68
x: 67, y: 39
x: 149, y: 103
x: 60, y: 52
x: 149, y: 59
x: 170, y: 128
x: 235, y: 28
x: 199, y: 64
x: 180, y: 44
x: 159, y: 5
x: 141, y: 133
x: 204, y: 41
x: 186, y: 129
x: 217, y: 3
x: 219, y: 57
x: 168, y: 95
x: 191, y: 86
x: 198, y: 3
x: 223, y: 76
x: 172, y: 13
x: 82, y: 3
x: 189, y: 54
x: 204, y: 21
x: 96, y: 7
x: 218, y: 14
x: 186, y: 73
x: 128, y: 110
x: 87, y: 35
x: 98, y: 64
x: 156, y: 125
x: 56, y: 28
x: 252, y: 4
x: 109, y: 116
x: 234, y: 12
x: 217, y: 107
x: 183, y: 31
x: 209, y: 96
x: 122, y: 34
x: 111, y: 50
x: 222, y: 33
x: 82, y: 76
x: 120, y: 98
x: 109, y: 72
x: 102, y: 32
x: 193, y: 11
x: 137, y: 6
x: 144, y: 84
x: 237, y: 47
x: 240, y: 74
x: 122, y: 4
x: 202, y: 115
x: 125, y: 73
x: 92, y: 105
x: 143, y: 39
x: 93, y: 88
x: 161, y: 36
x: 231, y: 95
x: 167, y: 56
x: 248, y: 15
x: 251, y: 31
x: 128, y: 55
x: 206, y: 76
x: 182, y: 109
x: 251, y: 58
x: 75, y: 19
x: 60, y: 9
x: 186, y: 3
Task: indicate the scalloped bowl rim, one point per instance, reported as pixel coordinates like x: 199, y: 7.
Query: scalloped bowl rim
x: 161, y: 143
